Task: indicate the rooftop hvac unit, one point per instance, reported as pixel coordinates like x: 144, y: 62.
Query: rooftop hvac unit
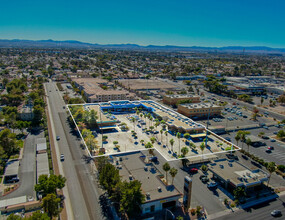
x: 147, y: 195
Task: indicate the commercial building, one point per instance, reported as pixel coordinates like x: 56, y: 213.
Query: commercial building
x: 174, y: 99
x: 137, y: 166
x: 199, y: 110
x: 99, y: 90
x: 232, y: 174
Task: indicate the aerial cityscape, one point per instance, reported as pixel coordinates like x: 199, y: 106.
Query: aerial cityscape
x: 135, y: 111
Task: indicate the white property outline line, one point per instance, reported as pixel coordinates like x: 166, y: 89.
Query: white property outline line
x: 235, y: 147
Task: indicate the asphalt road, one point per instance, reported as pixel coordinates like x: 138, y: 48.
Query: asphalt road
x: 259, y: 212
x: 81, y: 184
x: 27, y: 169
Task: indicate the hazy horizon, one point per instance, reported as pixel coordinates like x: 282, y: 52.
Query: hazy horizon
x: 203, y: 23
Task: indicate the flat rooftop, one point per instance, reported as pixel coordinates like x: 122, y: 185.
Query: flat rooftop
x: 133, y: 165
x: 42, y: 165
x: 143, y: 84
x: 173, y: 117
x: 12, y: 168
x: 182, y: 96
x: 237, y: 173
x: 200, y: 105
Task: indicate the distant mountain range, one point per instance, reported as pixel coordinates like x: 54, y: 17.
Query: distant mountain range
x: 71, y: 44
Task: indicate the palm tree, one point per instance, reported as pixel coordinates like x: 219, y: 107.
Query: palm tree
x: 166, y: 135
x: 161, y: 132
x: 166, y: 168
x: 271, y: 167
x: 202, y: 147
x: 237, y: 137
x: 134, y: 121
x: 242, y: 135
x: 178, y: 135
x: 248, y: 142
x: 152, y: 139
x: 173, y: 173
x: 186, y: 136
x: 184, y: 151
x: 171, y: 143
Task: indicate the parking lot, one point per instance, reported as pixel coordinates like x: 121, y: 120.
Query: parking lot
x: 68, y: 88
x: 276, y: 155
x: 234, y: 117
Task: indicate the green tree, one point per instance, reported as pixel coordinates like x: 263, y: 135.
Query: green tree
x: 49, y: 184
x: 202, y: 147
x: 131, y: 198
x: 248, y: 143
x: 38, y: 114
x: 173, y: 173
x: 51, y: 205
x: 8, y: 142
x: 14, y: 217
x: 148, y: 145
x: 171, y: 143
x: 184, y: 151
x: 37, y: 215
x: 166, y: 135
x: 281, y: 134
x: 271, y: 168
x: 166, y: 168
x: 152, y: 139
x: 237, y: 138
x: 239, y: 192
x: 109, y: 177
x: 178, y: 135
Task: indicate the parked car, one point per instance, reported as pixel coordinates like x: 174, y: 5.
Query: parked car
x: 265, y: 137
x: 276, y: 213
x: 268, y: 151
x: 272, y: 140
x: 61, y: 157
x: 193, y: 170
x: 212, y: 185
x: 57, y: 138
x: 204, y: 179
x: 270, y: 148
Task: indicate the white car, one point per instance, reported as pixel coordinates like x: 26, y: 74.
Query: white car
x: 61, y: 157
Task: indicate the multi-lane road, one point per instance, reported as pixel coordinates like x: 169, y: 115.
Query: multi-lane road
x: 82, y: 190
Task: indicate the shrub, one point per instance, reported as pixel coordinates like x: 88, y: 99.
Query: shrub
x: 232, y: 205
x: 281, y: 167
x: 226, y: 201
x: 193, y: 211
x: 204, y: 168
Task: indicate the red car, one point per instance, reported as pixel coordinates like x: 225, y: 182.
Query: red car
x: 193, y: 170
x: 270, y: 148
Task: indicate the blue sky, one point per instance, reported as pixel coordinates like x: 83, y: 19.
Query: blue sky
x: 168, y: 22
